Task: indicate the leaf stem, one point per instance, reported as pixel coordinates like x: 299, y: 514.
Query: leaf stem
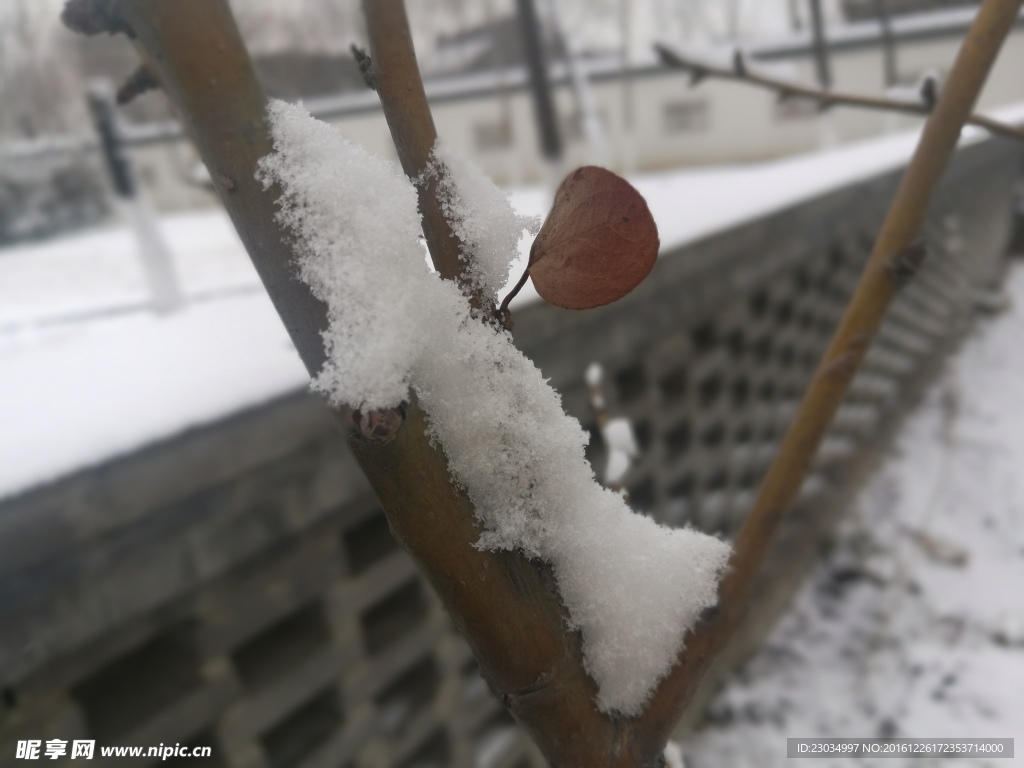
x: 514, y: 292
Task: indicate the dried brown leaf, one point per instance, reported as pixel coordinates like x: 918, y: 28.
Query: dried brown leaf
x: 597, y: 244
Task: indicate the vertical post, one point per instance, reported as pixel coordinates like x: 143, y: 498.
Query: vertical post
x: 104, y: 118
x: 507, y: 123
x: 820, y: 45
x: 540, y: 83
x: 578, y: 75
x: 794, y: 16
x: 888, y: 42
x: 157, y: 263
x: 732, y: 20
x: 627, y: 154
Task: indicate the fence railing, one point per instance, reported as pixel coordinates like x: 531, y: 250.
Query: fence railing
x: 237, y: 587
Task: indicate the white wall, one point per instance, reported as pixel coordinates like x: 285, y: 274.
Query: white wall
x: 741, y: 123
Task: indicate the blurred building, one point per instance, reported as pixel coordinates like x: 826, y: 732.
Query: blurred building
x: 652, y: 119
x: 650, y: 116
x: 872, y: 9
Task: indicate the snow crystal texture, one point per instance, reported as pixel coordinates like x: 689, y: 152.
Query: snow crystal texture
x: 633, y: 588
x: 481, y: 217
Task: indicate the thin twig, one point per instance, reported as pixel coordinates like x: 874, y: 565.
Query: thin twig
x: 741, y: 72
x: 893, y: 256
x: 552, y: 697
x: 396, y: 77
x: 138, y: 82
x: 365, y: 64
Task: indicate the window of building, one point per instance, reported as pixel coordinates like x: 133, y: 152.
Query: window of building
x: 797, y: 108
x: 492, y: 136
x: 689, y: 116
x: 573, y: 128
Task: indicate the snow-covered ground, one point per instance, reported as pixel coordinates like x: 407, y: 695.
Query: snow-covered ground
x: 913, y: 625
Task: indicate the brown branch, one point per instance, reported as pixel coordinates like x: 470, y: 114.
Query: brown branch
x: 558, y: 705
x: 741, y: 72
x: 892, y: 259
x: 507, y: 607
x: 396, y: 78
x: 138, y: 82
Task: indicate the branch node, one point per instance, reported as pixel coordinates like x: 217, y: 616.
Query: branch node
x: 711, y: 613
x: 227, y: 182
x: 380, y: 426
x: 503, y: 316
x: 94, y: 17
x: 366, y: 68
x: 138, y: 82
x: 904, y: 264
x: 841, y: 368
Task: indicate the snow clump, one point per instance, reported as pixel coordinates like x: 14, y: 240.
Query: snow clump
x: 632, y: 588
x: 481, y: 217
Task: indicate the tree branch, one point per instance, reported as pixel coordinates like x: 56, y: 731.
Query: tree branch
x: 396, y: 78
x: 507, y: 607
x: 893, y: 258
x: 741, y: 72
x: 558, y: 706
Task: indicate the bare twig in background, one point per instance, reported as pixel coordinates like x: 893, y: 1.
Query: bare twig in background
x: 894, y: 255
x: 742, y: 72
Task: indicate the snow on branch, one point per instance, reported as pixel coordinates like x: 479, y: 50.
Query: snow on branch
x: 632, y: 587
x: 482, y: 218
x: 920, y: 102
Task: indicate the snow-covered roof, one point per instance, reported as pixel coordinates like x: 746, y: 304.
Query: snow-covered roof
x: 88, y: 373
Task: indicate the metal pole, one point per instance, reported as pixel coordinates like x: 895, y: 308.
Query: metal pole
x: 104, y: 118
x: 820, y: 45
x: 590, y: 121
x: 888, y: 42
x: 157, y: 262
x: 540, y: 83
x: 627, y: 157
